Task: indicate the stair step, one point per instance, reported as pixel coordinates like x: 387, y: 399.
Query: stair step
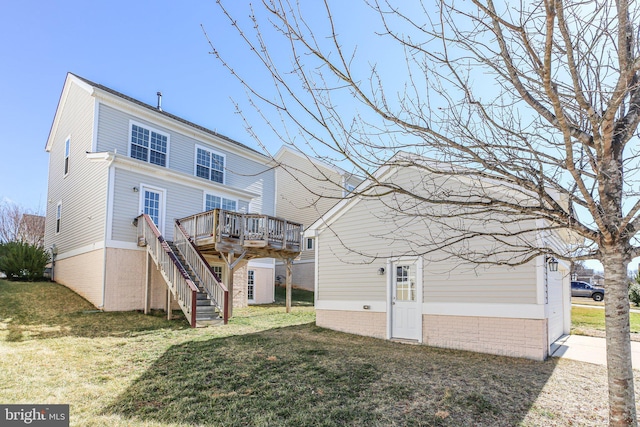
x: 211, y: 322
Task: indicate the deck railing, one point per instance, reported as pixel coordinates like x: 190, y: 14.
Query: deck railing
x: 178, y: 281
x: 221, y: 224
x: 200, y: 225
x: 212, y: 284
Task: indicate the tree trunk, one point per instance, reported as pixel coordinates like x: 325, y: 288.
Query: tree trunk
x: 622, y: 405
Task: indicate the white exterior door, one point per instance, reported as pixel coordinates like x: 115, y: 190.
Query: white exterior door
x: 556, y: 306
x: 152, y: 204
x: 406, y: 313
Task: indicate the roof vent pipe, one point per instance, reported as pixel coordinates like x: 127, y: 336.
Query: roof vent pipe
x: 159, y: 101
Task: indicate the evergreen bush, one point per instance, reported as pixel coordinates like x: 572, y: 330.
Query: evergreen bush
x: 22, y: 261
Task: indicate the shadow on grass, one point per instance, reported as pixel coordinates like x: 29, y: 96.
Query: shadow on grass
x: 44, y: 310
x: 299, y: 297
x: 305, y: 375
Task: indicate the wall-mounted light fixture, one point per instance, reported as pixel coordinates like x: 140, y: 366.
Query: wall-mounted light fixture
x: 381, y: 271
x: 552, y: 263
x: 135, y: 189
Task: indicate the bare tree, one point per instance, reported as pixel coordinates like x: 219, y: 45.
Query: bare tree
x: 18, y: 224
x: 540, y: 97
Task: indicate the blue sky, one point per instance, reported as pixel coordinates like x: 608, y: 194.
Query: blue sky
x: 134, y: 47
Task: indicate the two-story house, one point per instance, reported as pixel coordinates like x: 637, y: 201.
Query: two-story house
x: 307, y: 188
x: 113, y: 158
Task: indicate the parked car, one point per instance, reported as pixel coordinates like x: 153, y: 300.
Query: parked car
x: 584, y: 289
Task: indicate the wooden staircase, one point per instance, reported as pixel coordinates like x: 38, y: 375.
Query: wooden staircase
x: 190, y: 281
x: 207, y: 311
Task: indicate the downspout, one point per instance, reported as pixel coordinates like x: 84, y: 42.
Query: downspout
x: 108, y: 218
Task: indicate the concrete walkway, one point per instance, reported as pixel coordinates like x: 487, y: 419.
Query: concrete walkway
x: 589, y: 349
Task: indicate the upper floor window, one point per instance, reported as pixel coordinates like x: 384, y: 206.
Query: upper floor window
x: 148, y: 145
x: 217, y: 202
x: 209, y: 165
x: 67, y: 151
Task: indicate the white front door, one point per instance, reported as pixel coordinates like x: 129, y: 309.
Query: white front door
x: 406, y: 313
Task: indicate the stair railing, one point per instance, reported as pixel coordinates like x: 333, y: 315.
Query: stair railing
x: 176, y: 277
x: 211, y: 283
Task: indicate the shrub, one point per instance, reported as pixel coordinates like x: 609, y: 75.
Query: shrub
x: 22, y: 261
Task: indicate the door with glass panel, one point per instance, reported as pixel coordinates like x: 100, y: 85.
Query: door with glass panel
x: 405, y: 306
x: 152, y: 204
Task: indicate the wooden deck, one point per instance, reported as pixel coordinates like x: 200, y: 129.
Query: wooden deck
x: 257, y: 236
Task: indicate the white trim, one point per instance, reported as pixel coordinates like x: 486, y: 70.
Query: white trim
x: 316, y: 271
x: 122, y: 244
x: 211, y: 151
x: 163, y: 203
x: 389, y: 296
x: 539, y: 269
x: 298, y: 261
x: 110, y: 197
x: 262, y: 263
x: 107, y: 226
x: 252, y: 300
x: 513, y: 311
x: 158, y: 172
x: 375, y: 306
x: 94, y: 123
x: 150, y: 129
x: 61, y: 105
x: 81, y: 250
x: 390, y: 273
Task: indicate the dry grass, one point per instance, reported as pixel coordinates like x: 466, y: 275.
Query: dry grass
x: 267, y: 368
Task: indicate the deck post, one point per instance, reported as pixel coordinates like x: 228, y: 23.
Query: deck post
x: 169, y: 313
x: 230, y: 281
x: 289, y: 261
x: 147, y: 289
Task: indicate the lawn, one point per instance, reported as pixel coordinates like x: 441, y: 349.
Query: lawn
x: 590, y: 321
x: 266, y: 368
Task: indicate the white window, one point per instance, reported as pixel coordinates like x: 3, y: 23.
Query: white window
x: 217, y: 269
x: 212, y: 201
x: 67, y: 150
x: 149, y: 145
x: 251, y: 275
x: 309, y: 244
x: 209, y: 165
x: 58, y: 216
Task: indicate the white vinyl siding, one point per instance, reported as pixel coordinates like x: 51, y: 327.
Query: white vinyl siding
x: 345, y: 275
x: 297, y: 188
x: 240, y: 172
x: 83, y: 190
